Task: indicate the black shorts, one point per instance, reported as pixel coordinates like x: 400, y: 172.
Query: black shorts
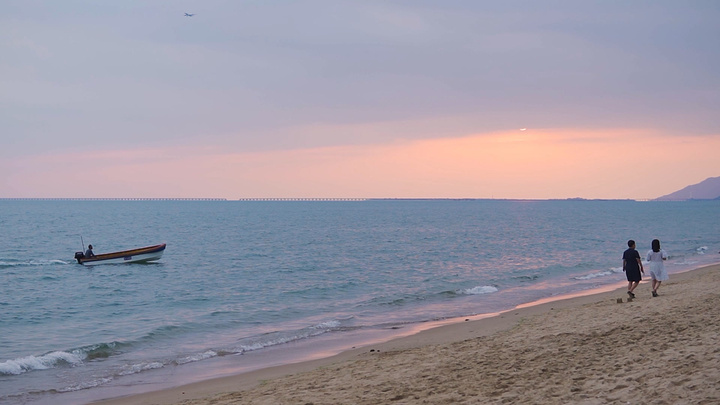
x: 633, y: 275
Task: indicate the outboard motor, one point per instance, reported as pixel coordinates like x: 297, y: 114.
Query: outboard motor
x: 79, y: 255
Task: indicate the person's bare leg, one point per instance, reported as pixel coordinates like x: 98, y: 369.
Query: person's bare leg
x: 632, y: 285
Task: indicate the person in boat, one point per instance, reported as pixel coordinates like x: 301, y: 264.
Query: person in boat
x: 89, y: 252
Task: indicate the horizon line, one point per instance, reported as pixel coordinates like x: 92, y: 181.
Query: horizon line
x: 310, y: 199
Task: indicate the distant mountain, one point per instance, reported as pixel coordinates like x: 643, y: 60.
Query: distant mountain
x: 708, y: 189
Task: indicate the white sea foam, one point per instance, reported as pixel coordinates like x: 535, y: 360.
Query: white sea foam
x: 606, y: 273
x: 701, y: 250
x: 593, y: 275
x: 327, y: 325
x: 686, y: 262
x: 197, y: 357
x: 33, y: 262
x: 47, y: 262
x: 261, y: 344
x: 44, y: 362
x: 279, y: 338
x: 140, y: 367
x: 483, y: 289
x: 86, y: 384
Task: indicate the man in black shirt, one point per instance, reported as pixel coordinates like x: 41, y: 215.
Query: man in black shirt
x: 632, y: 266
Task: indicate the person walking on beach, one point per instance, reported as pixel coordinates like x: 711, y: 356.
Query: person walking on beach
x: 632, y: 266
x: 656, y: 258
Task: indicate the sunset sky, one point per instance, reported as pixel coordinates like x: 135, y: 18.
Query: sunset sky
x: 396, y: 99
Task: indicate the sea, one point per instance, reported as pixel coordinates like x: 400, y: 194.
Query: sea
x: 245, y: 285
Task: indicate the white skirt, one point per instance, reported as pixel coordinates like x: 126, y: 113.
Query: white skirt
x: 658, y: 272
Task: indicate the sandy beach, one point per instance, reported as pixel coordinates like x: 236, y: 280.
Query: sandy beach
x: 582, y: 350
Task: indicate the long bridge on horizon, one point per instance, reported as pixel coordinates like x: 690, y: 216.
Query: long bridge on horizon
x: 304, y: 199
x: 179, y: 199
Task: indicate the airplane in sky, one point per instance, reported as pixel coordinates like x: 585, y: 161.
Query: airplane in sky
x: 189, y: 14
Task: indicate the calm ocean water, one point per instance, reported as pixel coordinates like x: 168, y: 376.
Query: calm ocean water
x: 249, y: 284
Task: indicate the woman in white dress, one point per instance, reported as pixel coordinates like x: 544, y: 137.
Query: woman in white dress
x: 656, y: 258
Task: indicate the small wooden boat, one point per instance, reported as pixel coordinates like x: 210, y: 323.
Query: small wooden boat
x: 140, y: 255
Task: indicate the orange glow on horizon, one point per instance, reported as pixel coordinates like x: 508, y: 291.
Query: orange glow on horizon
x: 531, y: 164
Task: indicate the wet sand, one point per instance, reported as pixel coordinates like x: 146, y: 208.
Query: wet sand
x: 588, y: 349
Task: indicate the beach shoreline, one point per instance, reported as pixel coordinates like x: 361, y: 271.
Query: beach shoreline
x: 505, y: 338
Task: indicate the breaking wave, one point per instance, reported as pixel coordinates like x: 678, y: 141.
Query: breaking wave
x: 483, y: 289
x: 597, y: 274
x: 44, y: 362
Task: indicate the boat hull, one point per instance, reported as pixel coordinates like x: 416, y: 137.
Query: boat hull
x: 141, y: 255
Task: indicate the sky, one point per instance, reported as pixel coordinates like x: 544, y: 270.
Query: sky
x: 358, y: 99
